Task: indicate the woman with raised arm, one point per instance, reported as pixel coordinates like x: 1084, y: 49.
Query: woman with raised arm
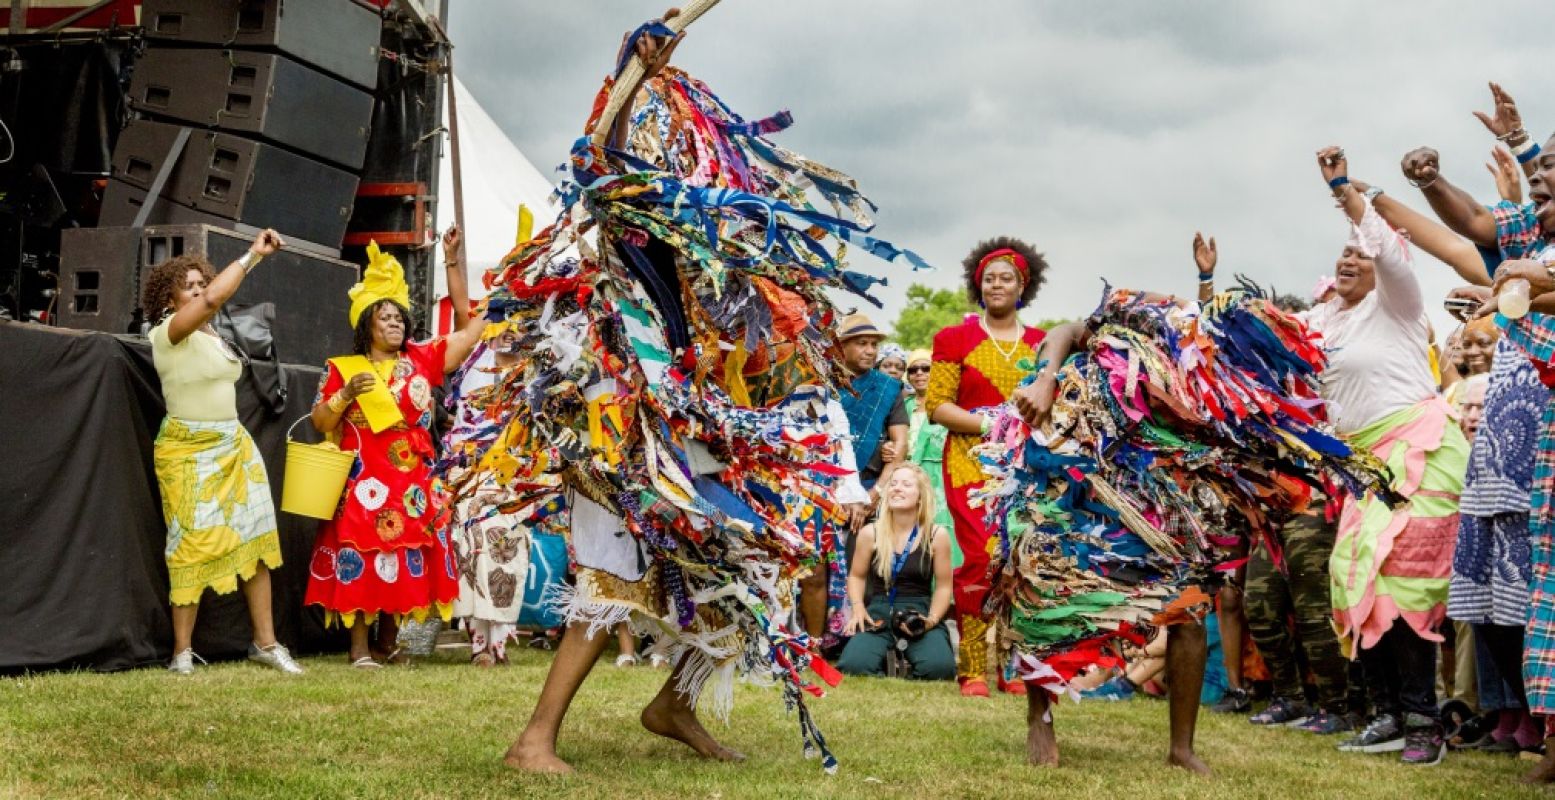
x: 381, y: 557
x: 215, y: 493
x: 1389, y: 568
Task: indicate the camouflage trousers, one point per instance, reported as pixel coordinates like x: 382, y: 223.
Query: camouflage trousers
x: 1291, y: 606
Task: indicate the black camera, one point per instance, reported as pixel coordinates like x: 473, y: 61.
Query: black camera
x: 909, y: 624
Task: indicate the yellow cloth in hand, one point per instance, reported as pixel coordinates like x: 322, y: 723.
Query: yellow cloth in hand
x: 378, y: 402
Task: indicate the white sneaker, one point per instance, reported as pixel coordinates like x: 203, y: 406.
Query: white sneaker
x: 183, y: 662
x: 276, y: 655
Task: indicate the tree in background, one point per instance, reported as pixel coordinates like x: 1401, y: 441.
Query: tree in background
x: 931, y: 310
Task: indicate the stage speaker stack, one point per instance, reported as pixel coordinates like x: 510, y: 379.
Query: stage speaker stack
x: 102, y: 267
x: 277, y: 99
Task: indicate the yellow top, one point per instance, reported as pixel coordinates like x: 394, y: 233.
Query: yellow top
x: 945, y: 379
x: 199, y: 375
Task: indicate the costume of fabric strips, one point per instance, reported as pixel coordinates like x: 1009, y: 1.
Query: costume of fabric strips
x: 1177, y: 434
x: 674, y: 384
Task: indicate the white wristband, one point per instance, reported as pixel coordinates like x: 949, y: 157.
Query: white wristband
x: 1524, y: 147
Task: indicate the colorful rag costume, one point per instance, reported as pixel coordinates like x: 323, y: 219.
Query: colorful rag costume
x: 674, y: 382
x: 489, y: 527
x: 973, y: 371
x: 1176, y: 435
x: 215, y: 493
x: 381, y: 552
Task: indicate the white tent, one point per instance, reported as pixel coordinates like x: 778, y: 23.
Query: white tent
x: 497, y: 178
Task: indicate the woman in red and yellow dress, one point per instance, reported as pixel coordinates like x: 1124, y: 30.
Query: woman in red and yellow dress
x: 381, y: 555
x: 978, y: 364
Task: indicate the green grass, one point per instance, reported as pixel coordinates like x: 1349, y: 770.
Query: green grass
x: 438, y: 729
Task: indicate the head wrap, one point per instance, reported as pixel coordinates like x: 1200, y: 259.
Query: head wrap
x: 889, y: 351
x: 1005, y: 254
x: 384, y: 279
x: 919, y: 355
x: 1324, y: 284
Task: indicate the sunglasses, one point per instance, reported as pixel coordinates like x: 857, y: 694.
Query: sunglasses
x: 916, y: 370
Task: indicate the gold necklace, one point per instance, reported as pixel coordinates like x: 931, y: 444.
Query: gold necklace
x: 1007, y: 355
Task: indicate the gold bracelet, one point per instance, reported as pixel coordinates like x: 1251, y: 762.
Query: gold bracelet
x: 338, y: 403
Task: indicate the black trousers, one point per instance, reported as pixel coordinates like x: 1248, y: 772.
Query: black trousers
x: 1401, y: 673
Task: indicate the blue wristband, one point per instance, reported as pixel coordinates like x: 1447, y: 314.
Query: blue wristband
x: 1205, y: 277
x: 1533, y: 153
x: 1338, y: 182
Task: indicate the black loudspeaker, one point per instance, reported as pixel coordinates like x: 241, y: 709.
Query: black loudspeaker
x: 337, y: 36
x: 99, y: 279
x: 122, y: 202
x: 309, y: 290
x: 264, y: 95
x: 241, y: 180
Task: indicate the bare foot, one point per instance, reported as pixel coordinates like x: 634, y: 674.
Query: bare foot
x: 538, y: 758
x: 1544, y: 771
x: 1041, y: 739
x: 674, y: 721
x: 1188, y: 761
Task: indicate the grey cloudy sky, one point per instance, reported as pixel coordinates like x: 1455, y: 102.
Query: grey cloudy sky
x: 1104, y: 133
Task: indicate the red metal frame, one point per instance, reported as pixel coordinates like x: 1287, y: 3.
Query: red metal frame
x: 417, y: 236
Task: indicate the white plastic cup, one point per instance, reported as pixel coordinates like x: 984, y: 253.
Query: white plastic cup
x: 1513, y: 300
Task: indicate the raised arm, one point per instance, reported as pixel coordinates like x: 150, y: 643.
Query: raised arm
x: 1205, y: 257
x: 1432, y: 237
x: 1398, y: 291
x: 457, y: 276
x: 1456, y: 208
x: 1506, y: 124
x: 197, y: 312
x: 461, y: 342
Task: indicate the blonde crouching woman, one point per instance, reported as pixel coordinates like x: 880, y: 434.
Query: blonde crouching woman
x: 899, y: 584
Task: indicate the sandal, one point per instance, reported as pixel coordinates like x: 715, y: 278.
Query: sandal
x: 483, y: 659
x: 366, y: 662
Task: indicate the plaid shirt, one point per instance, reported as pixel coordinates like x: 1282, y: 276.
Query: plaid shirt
x: 1517, y: 230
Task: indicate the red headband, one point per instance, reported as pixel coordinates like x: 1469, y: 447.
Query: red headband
x: 1004, y: 252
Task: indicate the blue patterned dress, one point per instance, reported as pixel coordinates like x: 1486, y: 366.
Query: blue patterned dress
x: 1490, y: 565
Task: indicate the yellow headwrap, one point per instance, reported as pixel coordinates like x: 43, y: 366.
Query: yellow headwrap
x: 384, y: 279
x: 919, y: 355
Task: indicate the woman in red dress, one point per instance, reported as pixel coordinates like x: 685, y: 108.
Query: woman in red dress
x: 977, y: 364
x: 381, y: 556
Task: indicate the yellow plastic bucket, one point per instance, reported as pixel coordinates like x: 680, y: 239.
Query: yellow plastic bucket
x: 315, y: 476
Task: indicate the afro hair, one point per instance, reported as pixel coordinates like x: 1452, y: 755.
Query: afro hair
x: 1034, y: 262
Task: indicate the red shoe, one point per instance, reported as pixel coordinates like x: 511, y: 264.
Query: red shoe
x: 974, y: 687
x: 1017, y: 688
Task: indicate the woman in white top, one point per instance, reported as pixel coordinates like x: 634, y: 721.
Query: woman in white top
x: 215, y: 493
x: 1389, y: 570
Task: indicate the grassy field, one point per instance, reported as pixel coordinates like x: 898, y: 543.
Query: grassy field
x: 438, y: 729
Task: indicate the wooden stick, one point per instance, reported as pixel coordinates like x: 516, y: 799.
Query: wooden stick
x: 626, y: 83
